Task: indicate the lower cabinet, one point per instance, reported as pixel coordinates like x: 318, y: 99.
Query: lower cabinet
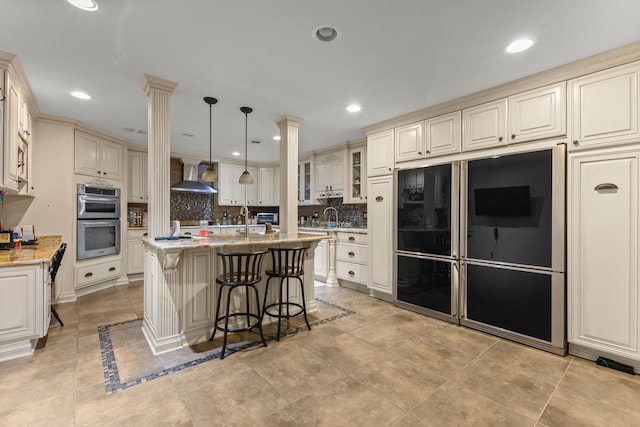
x: 24, y: 309
x: 379, y: 225
x: 351, y: 257
x: 92, y: 272
x: 602, y: 265
x: 321, y: 261
x: 135, y: 251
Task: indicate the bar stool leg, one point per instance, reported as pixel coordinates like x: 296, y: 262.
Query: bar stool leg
x: 246, y: 293
x: 215, y: 326
x: 226, y: 323
x: 264, y: 343
x: 280, y: 309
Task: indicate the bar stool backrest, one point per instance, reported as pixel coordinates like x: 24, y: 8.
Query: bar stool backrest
x: 240, y: 267
x: 288, y: 261
x: 56, y: 261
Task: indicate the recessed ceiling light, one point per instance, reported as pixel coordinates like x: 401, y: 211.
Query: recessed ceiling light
x: 88, y: 5
x: 353, y: 108
x: 235, y: 153
x: 519, y: 45
x: 80, y: 94
x: 326, y: 33
x: 276, y: 138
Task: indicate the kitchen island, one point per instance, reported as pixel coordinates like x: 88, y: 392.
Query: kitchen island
x: 25, y: 296
x: 179, y: 283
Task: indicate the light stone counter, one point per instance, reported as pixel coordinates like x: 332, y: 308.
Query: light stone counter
x: 180, y: 290
x: 41, y: 252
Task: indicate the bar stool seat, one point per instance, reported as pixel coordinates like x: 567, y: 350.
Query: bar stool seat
x: 239, y: 270
x: 288, y: 263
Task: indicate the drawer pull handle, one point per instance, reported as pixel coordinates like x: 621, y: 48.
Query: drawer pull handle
x: 379, y: 198
x: 89, y: 274
x: 351, y: 273
x: 351, y: 238
x: 352, y: 254
x: 606, y: 186
x: 112, y: 269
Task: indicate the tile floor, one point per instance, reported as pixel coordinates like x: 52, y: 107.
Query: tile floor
x: 381, y: 366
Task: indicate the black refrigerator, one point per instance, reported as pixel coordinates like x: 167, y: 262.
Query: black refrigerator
x: 427, y: 240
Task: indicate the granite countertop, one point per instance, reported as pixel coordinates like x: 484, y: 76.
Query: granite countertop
x: 231, y: 240
x: 42, y: 251
x: 362, y: 230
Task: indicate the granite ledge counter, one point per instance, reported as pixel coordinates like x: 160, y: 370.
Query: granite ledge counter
x: 42, y: 251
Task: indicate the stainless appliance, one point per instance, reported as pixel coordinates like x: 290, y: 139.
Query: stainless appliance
x: 265, y: 217
x: 427, y: 241
x: 98, y: 221
x: 96, y: 202
x: 98, y: 237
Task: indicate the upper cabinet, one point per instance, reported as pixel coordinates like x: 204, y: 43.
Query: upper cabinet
x: 532, y: 115
x: 409, y: 142
x: 380, y: 150
x: 305, y: 182
x: 96, y: 156
x: 232, y: 193
x: 266, y: 186
x: 357, y: 169
x: 603, y: 109
x: 484, y: 126
x: 436, y: 136
x: 137, y: 178
x: 330, y: 173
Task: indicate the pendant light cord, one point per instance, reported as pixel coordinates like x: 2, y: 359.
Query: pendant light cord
x: 210, y: 164
x: 246, y: 115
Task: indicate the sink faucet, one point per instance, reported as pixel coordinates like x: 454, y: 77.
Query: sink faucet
x: 244, y: 210
x: 331, y: 208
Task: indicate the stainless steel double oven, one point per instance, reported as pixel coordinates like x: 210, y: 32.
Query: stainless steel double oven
x: 98, y: 218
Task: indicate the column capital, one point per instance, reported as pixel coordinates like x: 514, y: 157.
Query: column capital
x: 150, y: 83
x: 289, y: 120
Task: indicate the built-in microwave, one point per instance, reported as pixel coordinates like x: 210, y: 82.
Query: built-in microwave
x: 96, y: 202
x: 98, y: 238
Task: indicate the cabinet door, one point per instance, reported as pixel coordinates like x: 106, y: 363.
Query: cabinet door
x: 11, y: 136
x: 603, y: 252
x: 409, y: 142
x: 337, y: 176
x: 484, y: 126
x: 443, y: 134
x: 538, y: 114
x: 87, y: 159
x: 380, y: 226
x: 135, y: 256
x: 323, y: 177
x: 265, y: 186
x: 249, y: 192
x: 21, y: 302
x: 111, y: 159
x: 304, y: 182
x: 380, y: 153
x: 276, y: 186
x: 321, y: 260
x: 604, y: 107
x: 137, y: 180
x: 357, y: 189
x: 230, y: 191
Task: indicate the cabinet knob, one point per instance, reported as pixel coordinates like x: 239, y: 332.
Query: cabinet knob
x: 575, y: 142
x: 513, y: 136
x: 351, y: 238
x: 389, y: 168
x: 89, y: 274
x: 500, y: 139
x: 104, y: 173
x: 141, y: 198
x: 420, y: 153
x: 351, y: 273
x: 112, y: 269
x: 99, y: 172
x: 379, y: 198
x: 352, y: 254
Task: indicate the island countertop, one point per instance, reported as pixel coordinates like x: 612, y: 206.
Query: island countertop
x: 232, y: 240
x: 43, y: 251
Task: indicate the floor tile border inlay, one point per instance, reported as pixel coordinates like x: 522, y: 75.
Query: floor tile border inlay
x: 110, y: 366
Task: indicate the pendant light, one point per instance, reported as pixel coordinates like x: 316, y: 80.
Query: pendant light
x: 246, y: 177
x: 209, y: 175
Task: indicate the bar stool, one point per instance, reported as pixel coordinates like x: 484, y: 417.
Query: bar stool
x: 239, y: 270
x: 287, y: 263
x: 56, y: 260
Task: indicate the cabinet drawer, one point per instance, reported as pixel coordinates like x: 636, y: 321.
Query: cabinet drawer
x: 97, y: 272
x: 136, y: 234
x: 344, y: 236
x: 352, y: 253
x: 351, y: 272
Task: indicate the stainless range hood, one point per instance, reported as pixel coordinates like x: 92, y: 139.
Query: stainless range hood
x: 190, y: 183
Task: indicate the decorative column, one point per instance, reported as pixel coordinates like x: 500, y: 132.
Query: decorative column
x: 289, y: 126
x: 162, y: 290
x: 158, y: 92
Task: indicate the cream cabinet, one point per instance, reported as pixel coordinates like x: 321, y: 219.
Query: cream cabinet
x: 135, y: 251
x: 380, y: 238
x: 230, y: 191
x: 25, y: 299
x: 305, y: 182
x: 409, y: 142
x: 266, y: 186
x: 321, y: 261
x: 329, y: 172
x: 137, y: 177
x: 96, y: 156
x: 95, y: 271
x: 484, y: 126
x: 356, y: 191
x: 538, y: 114
x: 352, y: 257
x: 603, y: 108
x: 602, y: 265
x: 380, y: 159
x: 435, y: 136
x: 11, y: 135
x: 276, y: 186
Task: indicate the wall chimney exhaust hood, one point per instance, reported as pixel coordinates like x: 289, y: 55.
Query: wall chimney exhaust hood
x: 190, y: 183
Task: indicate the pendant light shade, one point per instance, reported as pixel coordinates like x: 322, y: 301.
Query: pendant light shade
x: 210, y: 175
x: 246, y: 177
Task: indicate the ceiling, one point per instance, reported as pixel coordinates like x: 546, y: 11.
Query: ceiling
x: 391, y: 57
